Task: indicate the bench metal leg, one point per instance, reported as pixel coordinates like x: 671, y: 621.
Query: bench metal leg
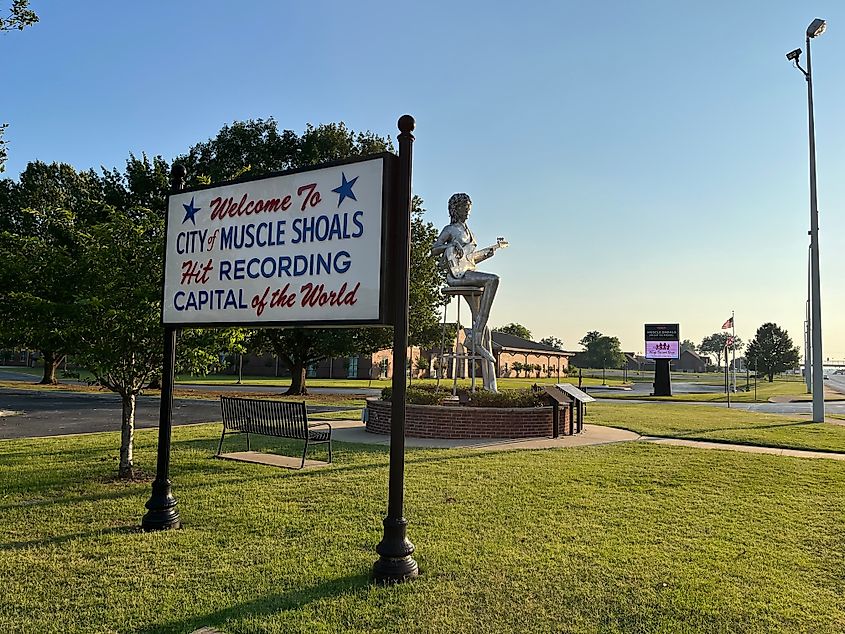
x: 220, y: 444
x: 248, y: 448
x: 330, y: 451
x: 304, y: 451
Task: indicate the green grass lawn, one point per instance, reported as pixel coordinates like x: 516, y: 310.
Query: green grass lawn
x: 765, y: 390
x: 622, y: 538
x: 719, y: 424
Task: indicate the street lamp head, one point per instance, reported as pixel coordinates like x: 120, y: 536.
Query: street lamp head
x: 793, y: 56
x: 816, y: 27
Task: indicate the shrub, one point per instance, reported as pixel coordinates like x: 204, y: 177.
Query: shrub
x: 429, y: 395
x: 524, y: 397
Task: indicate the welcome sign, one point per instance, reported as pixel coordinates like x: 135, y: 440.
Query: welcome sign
x: 304, y: 247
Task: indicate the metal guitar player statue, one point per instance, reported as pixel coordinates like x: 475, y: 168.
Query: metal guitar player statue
x: 459, y: 255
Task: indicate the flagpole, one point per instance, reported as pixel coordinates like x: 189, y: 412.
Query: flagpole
x: 733, y: 349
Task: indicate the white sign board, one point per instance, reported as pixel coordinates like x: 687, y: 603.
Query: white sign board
x: 299, y: 248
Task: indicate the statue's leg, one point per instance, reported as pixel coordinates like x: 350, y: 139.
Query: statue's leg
x: 478, y: 333
x: 488, y: 368
x: 489, y: 284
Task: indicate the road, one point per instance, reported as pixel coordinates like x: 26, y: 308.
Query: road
x: 29, y: 413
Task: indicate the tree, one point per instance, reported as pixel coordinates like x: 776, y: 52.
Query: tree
x: 256, y: 147
x: 601, y: 352
x: 591, y: 336
x: 20, y: 16
x: 298, y: 348
x: 120, y: 335
x: 517, y: 330
x: 517, y: 367
x: 686, y: 344
x: 772, y: 351
x: 44, y: 213
x: 554, y: 342
x: 426, y: 282
x: 718, y: 344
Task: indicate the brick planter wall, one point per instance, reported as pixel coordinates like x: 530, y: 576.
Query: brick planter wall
x: 454, y: 421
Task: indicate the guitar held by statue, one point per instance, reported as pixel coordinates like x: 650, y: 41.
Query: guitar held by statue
x: 459, y: 259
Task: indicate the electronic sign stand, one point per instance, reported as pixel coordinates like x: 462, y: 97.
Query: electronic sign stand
x: 662, y: 378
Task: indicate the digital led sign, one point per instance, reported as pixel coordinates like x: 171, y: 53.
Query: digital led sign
x: 662, y: 341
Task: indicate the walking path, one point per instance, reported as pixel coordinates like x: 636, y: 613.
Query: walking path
x: 775, y: 451
x: 355, y: 432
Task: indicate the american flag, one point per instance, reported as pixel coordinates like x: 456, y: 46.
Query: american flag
x: 728, y: 324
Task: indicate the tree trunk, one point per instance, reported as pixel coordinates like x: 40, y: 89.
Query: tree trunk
x: 127, y: 438
x: 51, y: 362
x: 297, y: 380
x: 771, y: 377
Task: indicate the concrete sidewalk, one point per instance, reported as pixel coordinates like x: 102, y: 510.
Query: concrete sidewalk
x: 774, y: 451
x: 355, y: 432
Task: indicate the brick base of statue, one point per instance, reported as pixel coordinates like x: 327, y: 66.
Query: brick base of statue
x: 457, y: 422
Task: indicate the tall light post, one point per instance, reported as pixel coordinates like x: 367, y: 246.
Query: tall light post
x: 808, y: 375
x: 815, y: 29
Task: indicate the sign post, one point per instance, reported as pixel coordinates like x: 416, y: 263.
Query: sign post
x: 662, y: 343
x: 162, y: 512
x: 395, y: 563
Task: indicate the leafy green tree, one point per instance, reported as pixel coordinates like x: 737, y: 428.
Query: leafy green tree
x: 426, y: 281
x: 601, y: 352
x: 517, y: 330
x: 517, y: 367
x: 591, y: 336
x: 20, y: 16
x: 718, y: 344
x: 117, y: 321
x: 772, y: 351
x: 554, y: 342
x: 121, y: 341
x: 43, y: 213
x: 298, y: 348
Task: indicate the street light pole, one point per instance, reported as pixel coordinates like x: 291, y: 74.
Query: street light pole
x: 815, y: 29
x: 807, y: 349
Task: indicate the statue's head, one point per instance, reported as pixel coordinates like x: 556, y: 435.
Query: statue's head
x: 459, y: 206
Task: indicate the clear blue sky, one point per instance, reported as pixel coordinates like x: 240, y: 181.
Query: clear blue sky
x: 646, y: 160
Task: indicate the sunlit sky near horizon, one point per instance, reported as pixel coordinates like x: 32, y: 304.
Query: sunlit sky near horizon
x: 647, y: 161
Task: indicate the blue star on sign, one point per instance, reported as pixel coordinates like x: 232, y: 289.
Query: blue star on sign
x: 345, y: 189
x: 190, y: 212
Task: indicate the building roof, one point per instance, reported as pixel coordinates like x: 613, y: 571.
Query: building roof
x: 511, y: 342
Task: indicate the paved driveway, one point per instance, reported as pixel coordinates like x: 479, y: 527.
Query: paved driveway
x: 28, y: 413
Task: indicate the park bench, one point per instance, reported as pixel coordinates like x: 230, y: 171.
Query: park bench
x: 282, y: 419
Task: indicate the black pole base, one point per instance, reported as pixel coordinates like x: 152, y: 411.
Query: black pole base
x: 162, y: 513
x: 662, y: 378
x: 395, y: 565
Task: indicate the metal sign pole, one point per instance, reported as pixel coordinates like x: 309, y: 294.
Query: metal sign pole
x: 395, y: 563
x: 162, y: 511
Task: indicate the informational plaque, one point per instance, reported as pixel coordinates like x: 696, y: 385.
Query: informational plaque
x: 662, y: 341
x: 304, y: 247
